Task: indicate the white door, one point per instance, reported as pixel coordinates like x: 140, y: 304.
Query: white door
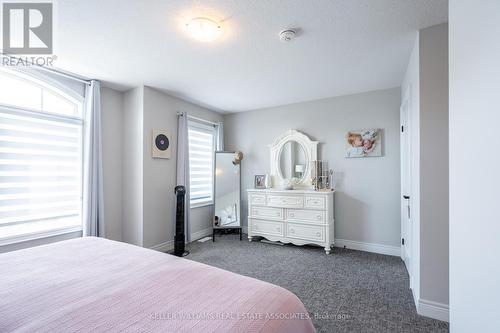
x: 405, y: 180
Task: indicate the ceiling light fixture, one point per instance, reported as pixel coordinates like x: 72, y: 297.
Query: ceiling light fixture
x: 204, y: 29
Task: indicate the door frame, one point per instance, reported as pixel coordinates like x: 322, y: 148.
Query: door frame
x: 406, y: 184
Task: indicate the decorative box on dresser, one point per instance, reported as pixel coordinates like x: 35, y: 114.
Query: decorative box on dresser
x: 299, y: 217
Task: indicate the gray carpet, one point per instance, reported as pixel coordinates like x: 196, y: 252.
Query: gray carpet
x: 352, y: 291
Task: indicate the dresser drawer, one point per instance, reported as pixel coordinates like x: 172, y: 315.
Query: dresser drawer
x: 315, y: 202
x: 267, y: 228
x: 258, y: 199
x: 313, y: 216
x: 267, y: 212
x: 285, y: 201
x: 305, y: 232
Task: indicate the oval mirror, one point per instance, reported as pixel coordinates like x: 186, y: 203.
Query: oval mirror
x: 292, y: 160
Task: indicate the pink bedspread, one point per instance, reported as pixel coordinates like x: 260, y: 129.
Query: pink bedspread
x: 96, y: 285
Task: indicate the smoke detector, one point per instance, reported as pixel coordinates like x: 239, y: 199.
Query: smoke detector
x: 287, y: 35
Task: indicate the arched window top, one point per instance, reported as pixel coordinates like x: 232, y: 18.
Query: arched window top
x: 24, y: 91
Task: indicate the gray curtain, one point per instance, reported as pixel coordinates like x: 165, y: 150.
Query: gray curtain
x: 220, y: 136
x: 93, y: 210
x: 183, y: 167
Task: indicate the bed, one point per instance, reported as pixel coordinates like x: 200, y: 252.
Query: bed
x: 94, y: 285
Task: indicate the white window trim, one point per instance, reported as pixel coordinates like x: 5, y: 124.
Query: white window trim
x: 200, y: 205
x: 39, y: 235
x: 203, y: 124
x: 47, y: 82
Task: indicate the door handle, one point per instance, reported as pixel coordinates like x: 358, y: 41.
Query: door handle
x: 406, y: 197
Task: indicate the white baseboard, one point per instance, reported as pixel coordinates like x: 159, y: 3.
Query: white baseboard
x: 369, y: 247
x: 353, y: 245
x: 415, y: 297
x: 164, y: 247
x: 200, y: 234
x: 169, y: 245
x: 433, y: 310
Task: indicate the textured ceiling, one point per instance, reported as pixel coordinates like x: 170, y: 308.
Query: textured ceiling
x: 344, y: 46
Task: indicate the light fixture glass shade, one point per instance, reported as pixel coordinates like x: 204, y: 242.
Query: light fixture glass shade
x: 204, y: 29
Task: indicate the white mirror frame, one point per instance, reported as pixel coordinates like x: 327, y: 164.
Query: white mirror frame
x: 311, y: 153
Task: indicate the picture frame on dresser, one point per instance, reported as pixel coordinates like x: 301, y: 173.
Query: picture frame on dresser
x: 260, y: 181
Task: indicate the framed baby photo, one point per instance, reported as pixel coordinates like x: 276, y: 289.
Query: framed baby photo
x: 260, y: 181
x: 363, y: 143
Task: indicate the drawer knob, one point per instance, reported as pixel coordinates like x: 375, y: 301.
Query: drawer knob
x: 292, y: 230
x: 318, y: 234
x: 318, y: 217
x: 292, y: 215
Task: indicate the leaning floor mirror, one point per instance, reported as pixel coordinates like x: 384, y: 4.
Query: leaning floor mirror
x: 226, y: 193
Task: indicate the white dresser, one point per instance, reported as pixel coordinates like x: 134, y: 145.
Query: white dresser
x: 296, y: 216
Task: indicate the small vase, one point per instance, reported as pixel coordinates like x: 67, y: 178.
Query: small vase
x: 267, y: 181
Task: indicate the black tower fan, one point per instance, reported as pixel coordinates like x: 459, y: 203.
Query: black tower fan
x: 179, y: 239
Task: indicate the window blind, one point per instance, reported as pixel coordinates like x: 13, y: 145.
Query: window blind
x: 201, y: 162
x: 40, y: 172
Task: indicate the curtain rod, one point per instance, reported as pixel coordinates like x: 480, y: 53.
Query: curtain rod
x: 54, y: 71
x: 69, y: 76
x: 181, y: 114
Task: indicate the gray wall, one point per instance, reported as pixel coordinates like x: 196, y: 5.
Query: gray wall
x: 138, y: 190
x: 367, y: 199
x: 474, y: 165
x: 434, y: 172
x: 160, y: 111
x: 132, y: 166
x: 112, y: 124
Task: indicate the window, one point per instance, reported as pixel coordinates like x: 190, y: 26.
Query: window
x: 40, y: 158
x: 201, y: 162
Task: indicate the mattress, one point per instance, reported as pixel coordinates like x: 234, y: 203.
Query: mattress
x: 94, y: 285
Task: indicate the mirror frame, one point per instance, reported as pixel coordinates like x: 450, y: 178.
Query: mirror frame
x: 239, y: 192
x: 310, y: 150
